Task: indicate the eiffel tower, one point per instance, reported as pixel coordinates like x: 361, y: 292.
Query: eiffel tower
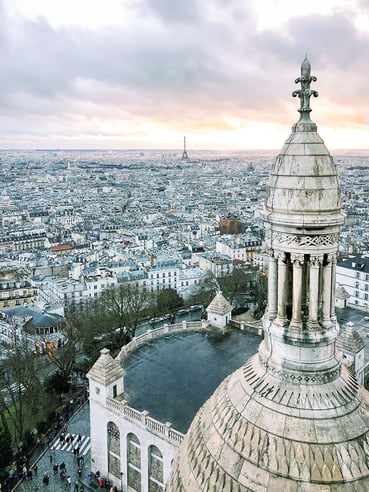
x: 184, y: 155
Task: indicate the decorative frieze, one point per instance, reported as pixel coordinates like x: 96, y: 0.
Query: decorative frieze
x: 304, y: 240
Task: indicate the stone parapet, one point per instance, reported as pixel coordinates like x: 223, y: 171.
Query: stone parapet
x: 141, y: 340
x: 164, y: 431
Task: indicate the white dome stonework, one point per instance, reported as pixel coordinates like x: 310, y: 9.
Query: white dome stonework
x: 293, y: 418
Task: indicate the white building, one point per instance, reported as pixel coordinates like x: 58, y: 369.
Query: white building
x: 164, y: 273
x: 353, y: 275
x: 238, y: 248
x: 219, y: 265
x: 134, y: 442
x: 62, y: 291
x: 188, y: 279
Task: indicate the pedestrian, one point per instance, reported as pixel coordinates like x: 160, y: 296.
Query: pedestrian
x: 79, y: 438
x: 35, y: 468
x: 69, y: 481
x: 62, y: 466
x: 29, y: 475
x: 76, y: 486
x: 55, y: 469
x: 46, y: 478
x: 51, y: 459
x: 79, y: 472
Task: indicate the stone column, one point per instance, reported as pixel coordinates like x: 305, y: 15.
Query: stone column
x: 272, y: 286
x: 298, y: 261
x: 327, y: 289
x: 333, y: 287
x: 282, y: 270
x: 315, y: 262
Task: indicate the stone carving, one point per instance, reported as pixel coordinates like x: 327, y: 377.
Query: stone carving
x: 298, y: 259
x: 305, y: 92
x: 331, y: 258
x: 315, y: 261
x: 280, y: 256
x: 253, y: 379
x: 304, y: 240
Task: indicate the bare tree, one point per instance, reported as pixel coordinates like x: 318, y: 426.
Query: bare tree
x: 21, y: 395
x: 72, y: 331
x: 124, y: 305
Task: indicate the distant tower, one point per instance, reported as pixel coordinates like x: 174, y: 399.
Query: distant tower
x: 184, y: 155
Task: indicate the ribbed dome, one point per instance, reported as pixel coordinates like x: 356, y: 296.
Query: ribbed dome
x: 259, y: 432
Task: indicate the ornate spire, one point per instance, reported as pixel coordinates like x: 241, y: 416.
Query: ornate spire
x: 305, y: 94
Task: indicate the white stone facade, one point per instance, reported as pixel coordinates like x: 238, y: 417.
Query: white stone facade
x: 129, y: 422
x: 116, y: 428
x: 353, y: 276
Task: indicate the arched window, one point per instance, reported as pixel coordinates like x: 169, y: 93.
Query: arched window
x: 113, y: 450
x: 133, y: 463
x: 156, y: 480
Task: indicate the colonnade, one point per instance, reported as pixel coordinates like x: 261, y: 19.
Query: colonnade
x: 301, y: 285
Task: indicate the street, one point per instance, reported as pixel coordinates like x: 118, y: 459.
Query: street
x: 62, y: 452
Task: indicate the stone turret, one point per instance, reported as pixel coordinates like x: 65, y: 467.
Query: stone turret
x: 352, y: 347
x: 293, y: 418
x: 105, y: 384
x: 106, y: 377
x: 219, y: 311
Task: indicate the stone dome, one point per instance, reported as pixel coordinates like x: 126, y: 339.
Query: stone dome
x: 259, y: 432
x: 303, y: 186
x: 304, y: 182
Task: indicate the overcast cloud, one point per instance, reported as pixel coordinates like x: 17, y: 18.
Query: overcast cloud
x: 174, y: 68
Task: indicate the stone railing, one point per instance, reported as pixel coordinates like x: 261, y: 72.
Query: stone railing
x: 137, y: 342
x: 142, y: 419
x: 254, y: 327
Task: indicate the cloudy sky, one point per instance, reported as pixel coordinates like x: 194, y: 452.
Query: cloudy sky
x: 143, y: 73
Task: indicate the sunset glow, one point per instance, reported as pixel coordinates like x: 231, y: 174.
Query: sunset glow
x: 143, y: 73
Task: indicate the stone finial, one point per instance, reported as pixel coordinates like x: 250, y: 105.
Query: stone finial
x: 305, y: 92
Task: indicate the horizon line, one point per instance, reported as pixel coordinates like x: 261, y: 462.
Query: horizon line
x: 164, y: 149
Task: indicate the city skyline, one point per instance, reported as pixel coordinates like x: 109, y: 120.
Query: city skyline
x: 141, y: 74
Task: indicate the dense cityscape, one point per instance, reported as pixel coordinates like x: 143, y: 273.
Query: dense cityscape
x: 76, y: 223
